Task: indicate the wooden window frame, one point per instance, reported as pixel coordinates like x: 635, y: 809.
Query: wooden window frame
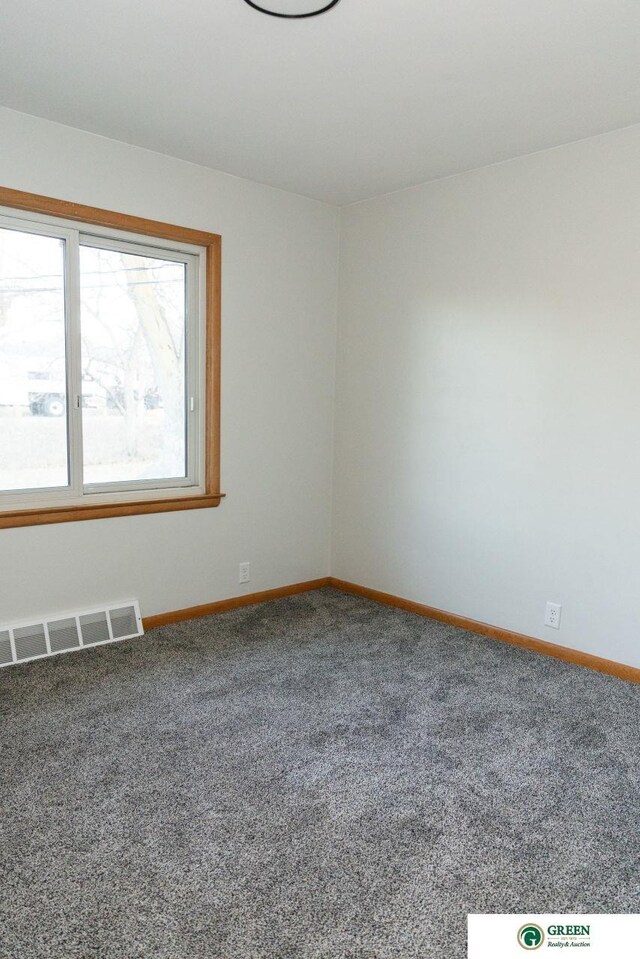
x: 212, y: 243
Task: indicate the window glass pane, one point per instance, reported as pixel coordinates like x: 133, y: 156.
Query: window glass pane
x: 33, y: 425
x: 133, y: 366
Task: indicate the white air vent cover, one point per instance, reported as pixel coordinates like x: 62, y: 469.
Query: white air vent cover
x: 21, y: 642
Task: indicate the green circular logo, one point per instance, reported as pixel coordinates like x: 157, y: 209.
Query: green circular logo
x: 530, y: 936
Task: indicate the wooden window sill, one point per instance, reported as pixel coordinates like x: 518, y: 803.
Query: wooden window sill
x: 71, y: 514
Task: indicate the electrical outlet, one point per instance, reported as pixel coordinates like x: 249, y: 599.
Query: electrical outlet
x: 552, y: 615
x: 244, y: 573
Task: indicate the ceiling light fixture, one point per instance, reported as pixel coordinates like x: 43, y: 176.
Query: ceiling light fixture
x: 307, y: 8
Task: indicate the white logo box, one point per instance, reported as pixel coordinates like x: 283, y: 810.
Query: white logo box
x: 496, y: 936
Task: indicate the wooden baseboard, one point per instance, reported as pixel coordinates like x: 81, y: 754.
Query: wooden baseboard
x: 608, y: 666
x: 620, y: 670
x: 224, y: 605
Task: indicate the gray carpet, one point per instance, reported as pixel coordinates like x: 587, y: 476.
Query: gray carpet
x: 316, y: 777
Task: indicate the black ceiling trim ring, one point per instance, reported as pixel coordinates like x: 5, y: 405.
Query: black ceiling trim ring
x: 292, y: 16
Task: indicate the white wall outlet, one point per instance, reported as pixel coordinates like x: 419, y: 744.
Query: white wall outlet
x: 552, y: 615
x: 244, y: 573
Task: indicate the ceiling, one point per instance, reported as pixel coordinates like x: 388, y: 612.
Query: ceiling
x: 371, y: 97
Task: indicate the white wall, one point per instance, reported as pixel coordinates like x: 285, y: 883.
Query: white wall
x: 487, y: 451
x: 279, y: 315
x: 488, y: 396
